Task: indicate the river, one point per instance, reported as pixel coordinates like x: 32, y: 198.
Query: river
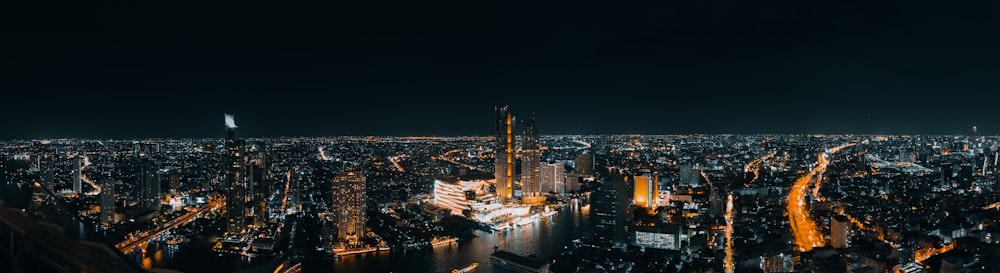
x: 545, y: 239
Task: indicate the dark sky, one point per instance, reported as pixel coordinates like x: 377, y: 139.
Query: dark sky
x: 122, y: 69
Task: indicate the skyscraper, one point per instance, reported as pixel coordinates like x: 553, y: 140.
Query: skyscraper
x: 349, y: 206
x: 257, y: 186
x: 504, y: 171
x: 77, y: 175
x: 609, y: 206
x: 530, y: 159
x: 584, y: 163
x: 946, y: 174
x: 107, y: 202
x: 235, y: 174
x: 149, y: 184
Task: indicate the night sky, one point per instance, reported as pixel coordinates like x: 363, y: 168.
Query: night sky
x: 138, y: 69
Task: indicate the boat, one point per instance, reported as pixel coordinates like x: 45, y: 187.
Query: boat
x: 525, y: 221
x: 440, y: 241
x: 466, y: 269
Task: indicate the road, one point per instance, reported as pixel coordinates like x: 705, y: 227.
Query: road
x: 807, y: 235
x: 395, y: 162
x: 754, y: 166
x: 446, y: 157
x: 141, y: 239
x: 728, y: 265
x: 86, y: 162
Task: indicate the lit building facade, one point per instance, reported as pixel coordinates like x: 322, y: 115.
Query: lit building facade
x: 840, y: 231
x: 457, y: 195
x: 504, y: 170
x: 235, y: 174
x: 646, y: 190
x: 661, y: 236
x: 349, y: 206
x: 553, y: 177
x: 531, y: 154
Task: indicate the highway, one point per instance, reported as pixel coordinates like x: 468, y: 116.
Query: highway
x: 807, y: 235
x: 141, y: 239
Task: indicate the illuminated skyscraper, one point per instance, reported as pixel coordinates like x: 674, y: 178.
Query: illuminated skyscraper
x: 646, y: 190
x: 349, y: 206
x: 149, y: 184
x: 77, y: 175
x: 530, y: 159
x: 235, y: 174
x: 504, y: 171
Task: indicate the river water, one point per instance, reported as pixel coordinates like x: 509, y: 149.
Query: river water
x: 544, y: 239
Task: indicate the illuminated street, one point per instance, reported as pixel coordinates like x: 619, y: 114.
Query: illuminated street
x: 807, y: 234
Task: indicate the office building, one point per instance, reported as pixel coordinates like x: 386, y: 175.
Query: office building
x: 530, y: 159
x: 840, y: 231
x: 609, y: 206
x: 77, y: 175
x: 235, y: 175
x: 553, y: 178
x: 584, y: 163
x: 349, y: 207
x: 646, y: 190
x: 107, y: 202
x: 260, y: 189
x: 149, y: 184
x: 946, y: 174
x: 504, y: 171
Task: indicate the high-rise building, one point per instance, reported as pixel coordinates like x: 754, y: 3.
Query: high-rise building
x: 609, y: 206
x: 646, y: 188
x: 553, y: 177
x: 504, y: 171
x: 108, y: 201
x: 175, y: 182
x: 235, y: 174
x: 261, y: 190
x: 531, y: 154
x: 149, y: 184
x: 48, y: 172
x: 77, y: 175
x: 349, y: 206
x: 965, y: 176
x: 584, y: 163
x: 840, y: 231
x: 946, y: 174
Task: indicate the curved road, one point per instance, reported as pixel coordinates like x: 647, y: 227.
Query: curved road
x: 807, y: 235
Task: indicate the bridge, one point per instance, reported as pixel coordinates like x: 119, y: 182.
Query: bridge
x: 139, y: 240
